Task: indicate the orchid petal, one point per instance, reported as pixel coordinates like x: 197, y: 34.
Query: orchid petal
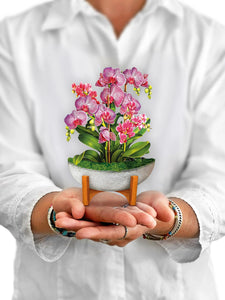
x: 117, y: 94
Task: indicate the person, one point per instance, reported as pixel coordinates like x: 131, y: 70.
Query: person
x: 43, y: 51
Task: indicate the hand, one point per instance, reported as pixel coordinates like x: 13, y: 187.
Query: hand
x: 70, y: 210
x: 160, y: 203
x: 160, y: 220
x: 108, y: 208
x: 104, y: 208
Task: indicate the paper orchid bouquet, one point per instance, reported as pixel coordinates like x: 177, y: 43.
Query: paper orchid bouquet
x: 112, y: 124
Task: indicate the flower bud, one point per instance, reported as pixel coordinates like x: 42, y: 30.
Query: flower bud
x: 72, y: 131
x: 92, y: 122
x: 92, y: 128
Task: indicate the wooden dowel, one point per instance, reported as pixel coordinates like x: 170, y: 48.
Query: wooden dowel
x: 85, y: 189
x: 133, y: 190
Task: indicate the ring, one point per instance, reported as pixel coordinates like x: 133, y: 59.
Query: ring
x: 103, y: 241
x: 125, y: 234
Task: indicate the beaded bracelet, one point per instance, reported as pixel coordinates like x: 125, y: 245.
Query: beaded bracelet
x: 177, y: 224
x: 51, y: 222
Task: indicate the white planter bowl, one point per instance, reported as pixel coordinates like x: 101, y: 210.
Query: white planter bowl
x: 110, y: 180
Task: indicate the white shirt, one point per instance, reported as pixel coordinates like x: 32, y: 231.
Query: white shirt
x: 42, y: 52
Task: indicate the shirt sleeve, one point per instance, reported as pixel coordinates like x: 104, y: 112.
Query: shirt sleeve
x: 24, y: 177
x: 202, y: 183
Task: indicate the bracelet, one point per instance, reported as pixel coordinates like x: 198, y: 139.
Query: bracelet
x: 51, y: 222
x: 177, y: 224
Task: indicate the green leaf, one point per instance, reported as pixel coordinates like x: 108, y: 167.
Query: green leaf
x: 70, y: 160
x: 116, y: 155
x: 137, y: 150
x: 112, y: 106
x: 133, y: 139
x: 91, y: 141
x: 84, y: 130
x: 78, y: 158
x: 92, y: 155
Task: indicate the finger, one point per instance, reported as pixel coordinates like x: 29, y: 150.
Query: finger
x: 63, y: 214
x: 159, y: 202
x: 72, y: 206
x: 110, y: 215
x: 110, y: 232
x: 70, y: 202
x: 141, y: 217
x: 72, y: 224
x: 132, y: 233
x: 147, y: 208
x: 164, y: 212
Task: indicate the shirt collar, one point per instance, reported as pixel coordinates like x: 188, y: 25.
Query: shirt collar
x: 62, y: 12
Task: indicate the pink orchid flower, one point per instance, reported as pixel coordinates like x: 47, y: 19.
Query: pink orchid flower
x: 82, y: 89
x: 134, y: 77
x: 113, y: 94
x: 105, y: 135
x: 130, y: 105
x: 86, y: 104
x: 76, y: 118
x: 101, y: 81
x: 104, y: 114
x: 93, y: 95
x: 145, y: 82
x: 123, y: 138
x: 139, y: 121
x: 111, y: 76
x: 125, y: 129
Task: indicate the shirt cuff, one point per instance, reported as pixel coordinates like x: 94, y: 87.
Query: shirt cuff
x: 47, y: 247
x: 187, y: 250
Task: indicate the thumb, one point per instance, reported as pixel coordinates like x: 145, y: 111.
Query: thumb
x: 164, y: 212
x: 77, y: 209
x: 69, y: 201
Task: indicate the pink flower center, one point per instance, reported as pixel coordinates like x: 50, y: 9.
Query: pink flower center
x: 105, y: 115
x: 131, y: 80
x: 85, y: 107
x: 77, y: 122
x: 111, y: 99
x: 131, y: 106
x: 112, y: 80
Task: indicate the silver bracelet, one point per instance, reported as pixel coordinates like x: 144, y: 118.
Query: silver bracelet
x: 178, y: 217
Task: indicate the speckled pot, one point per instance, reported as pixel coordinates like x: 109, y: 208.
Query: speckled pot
x: 109, y: 180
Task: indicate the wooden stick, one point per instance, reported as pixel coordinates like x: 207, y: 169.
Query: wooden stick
x: 85, y: 190
x: 133, y: 190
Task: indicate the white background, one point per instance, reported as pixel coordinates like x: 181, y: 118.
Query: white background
x: 215, y: 9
